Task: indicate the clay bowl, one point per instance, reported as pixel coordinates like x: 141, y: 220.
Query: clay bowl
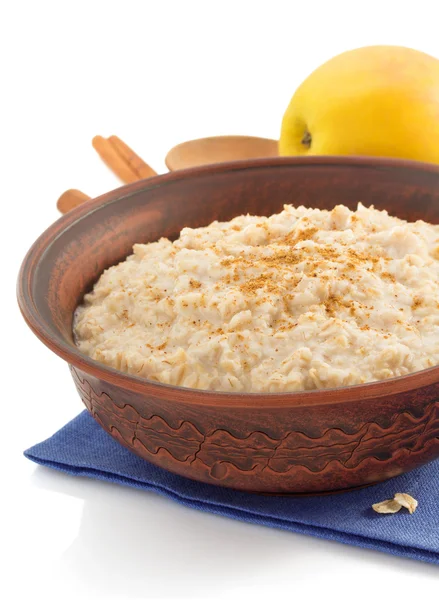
x: 309, y: 442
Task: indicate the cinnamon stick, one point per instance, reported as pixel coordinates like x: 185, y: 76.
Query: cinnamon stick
x: 123, y: 161
x: 120, y: 158
x: 71, y: 199
x: 113, y: 160
x: 137, y: 164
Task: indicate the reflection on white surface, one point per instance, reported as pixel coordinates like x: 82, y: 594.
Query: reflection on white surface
x: 136, y: 544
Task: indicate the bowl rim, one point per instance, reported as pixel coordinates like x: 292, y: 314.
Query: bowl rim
x: 75, y: 358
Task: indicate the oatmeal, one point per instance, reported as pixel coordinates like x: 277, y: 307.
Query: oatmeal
x: 300, y: 300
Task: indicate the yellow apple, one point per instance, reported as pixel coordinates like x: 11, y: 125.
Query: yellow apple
x: 376, y: 101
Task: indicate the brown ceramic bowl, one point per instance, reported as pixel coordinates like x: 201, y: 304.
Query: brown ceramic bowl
x: 306, y: 442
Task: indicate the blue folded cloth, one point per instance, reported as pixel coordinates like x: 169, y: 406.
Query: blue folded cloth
x: 82, y: 447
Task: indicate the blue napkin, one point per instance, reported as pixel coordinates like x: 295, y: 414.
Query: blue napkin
x: 82, y: 447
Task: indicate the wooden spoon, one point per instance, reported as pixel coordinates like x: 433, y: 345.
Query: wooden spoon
x: 219, y: 149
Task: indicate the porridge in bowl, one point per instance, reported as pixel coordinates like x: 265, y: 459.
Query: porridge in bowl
x: 305, y: 299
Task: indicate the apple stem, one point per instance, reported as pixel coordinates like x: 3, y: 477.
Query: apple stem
x: 307, y: 139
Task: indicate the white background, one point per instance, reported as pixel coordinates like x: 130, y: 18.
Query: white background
x: 154, y: 73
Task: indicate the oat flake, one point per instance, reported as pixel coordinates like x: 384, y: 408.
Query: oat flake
x: 399, y: 501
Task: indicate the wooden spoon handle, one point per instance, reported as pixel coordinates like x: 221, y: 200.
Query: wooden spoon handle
x: 123, y: 161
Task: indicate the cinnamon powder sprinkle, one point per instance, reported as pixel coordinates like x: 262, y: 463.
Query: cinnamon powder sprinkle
x: 417, y: 302
x: 294, y: 237
x: 284, y: 259
x: 263, y: 281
